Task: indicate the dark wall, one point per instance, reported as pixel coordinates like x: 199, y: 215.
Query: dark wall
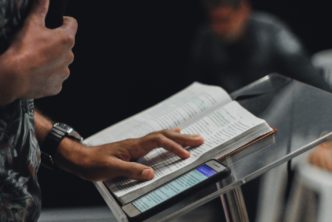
x: 130, y: 55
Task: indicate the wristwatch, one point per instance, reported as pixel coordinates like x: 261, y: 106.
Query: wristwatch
x: 58, y: 132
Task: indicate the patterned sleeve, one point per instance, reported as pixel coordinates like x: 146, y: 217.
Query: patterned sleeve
x: 15, y: 200
x: 20, y: 198
x: 12, y: 14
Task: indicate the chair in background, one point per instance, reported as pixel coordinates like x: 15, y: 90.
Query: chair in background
x: 323, y: 59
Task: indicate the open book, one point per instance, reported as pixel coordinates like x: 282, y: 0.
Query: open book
x: 198, y: 109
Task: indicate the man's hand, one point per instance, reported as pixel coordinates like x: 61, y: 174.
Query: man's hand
x: 113, y: 160
x: 36, y: 63
x: 322, y: 156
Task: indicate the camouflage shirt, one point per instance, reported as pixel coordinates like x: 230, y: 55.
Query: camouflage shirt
x: 20, y: 198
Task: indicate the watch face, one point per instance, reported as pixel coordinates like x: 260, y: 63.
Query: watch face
x: 64, y: 127
x: 69, y: 131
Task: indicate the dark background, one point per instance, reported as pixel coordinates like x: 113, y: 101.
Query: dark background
x: 130, y: 55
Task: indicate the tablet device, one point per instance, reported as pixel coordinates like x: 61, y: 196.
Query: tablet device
x: 170, y: 192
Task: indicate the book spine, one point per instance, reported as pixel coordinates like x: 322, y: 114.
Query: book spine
x: 111, y: 202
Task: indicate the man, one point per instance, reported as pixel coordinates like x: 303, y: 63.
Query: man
x: 239, y: 46
x: 35, y: 65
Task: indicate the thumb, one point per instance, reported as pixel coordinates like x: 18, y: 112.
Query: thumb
x: 39, y: 11
x: 135, y: 170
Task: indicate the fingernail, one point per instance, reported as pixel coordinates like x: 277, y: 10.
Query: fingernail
x: 196, y: 135
x: 186, y: 154
x: 199, y: 137
x: 147, y: 174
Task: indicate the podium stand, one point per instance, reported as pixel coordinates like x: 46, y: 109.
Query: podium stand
x: 299, y: 112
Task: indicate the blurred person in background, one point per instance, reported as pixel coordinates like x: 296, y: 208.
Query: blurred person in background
x: 238, y: 46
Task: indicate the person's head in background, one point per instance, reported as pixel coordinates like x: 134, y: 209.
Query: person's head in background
x: 228, y: 18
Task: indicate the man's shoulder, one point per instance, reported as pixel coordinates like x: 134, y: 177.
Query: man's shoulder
x: 266, y: 21
x: 278, y: 33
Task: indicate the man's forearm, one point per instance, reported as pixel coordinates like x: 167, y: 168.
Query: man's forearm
x: 43, y: 126
x: 70, y: 154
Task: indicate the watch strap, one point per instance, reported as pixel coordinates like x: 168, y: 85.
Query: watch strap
x: 53, y: 140
x: 58, y: 132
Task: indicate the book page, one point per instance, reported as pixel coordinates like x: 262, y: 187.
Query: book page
x: 177, y: 111
x: 219, y: 127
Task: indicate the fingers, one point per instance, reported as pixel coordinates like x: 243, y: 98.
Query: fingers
x: 170, y: 145
x: 133, y: 170
x: 67, y: 32
x: 39, y: 11
x: 171, y: 140
x: 184, y: 139
x: 70, y: 25
x: 70, y: 58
